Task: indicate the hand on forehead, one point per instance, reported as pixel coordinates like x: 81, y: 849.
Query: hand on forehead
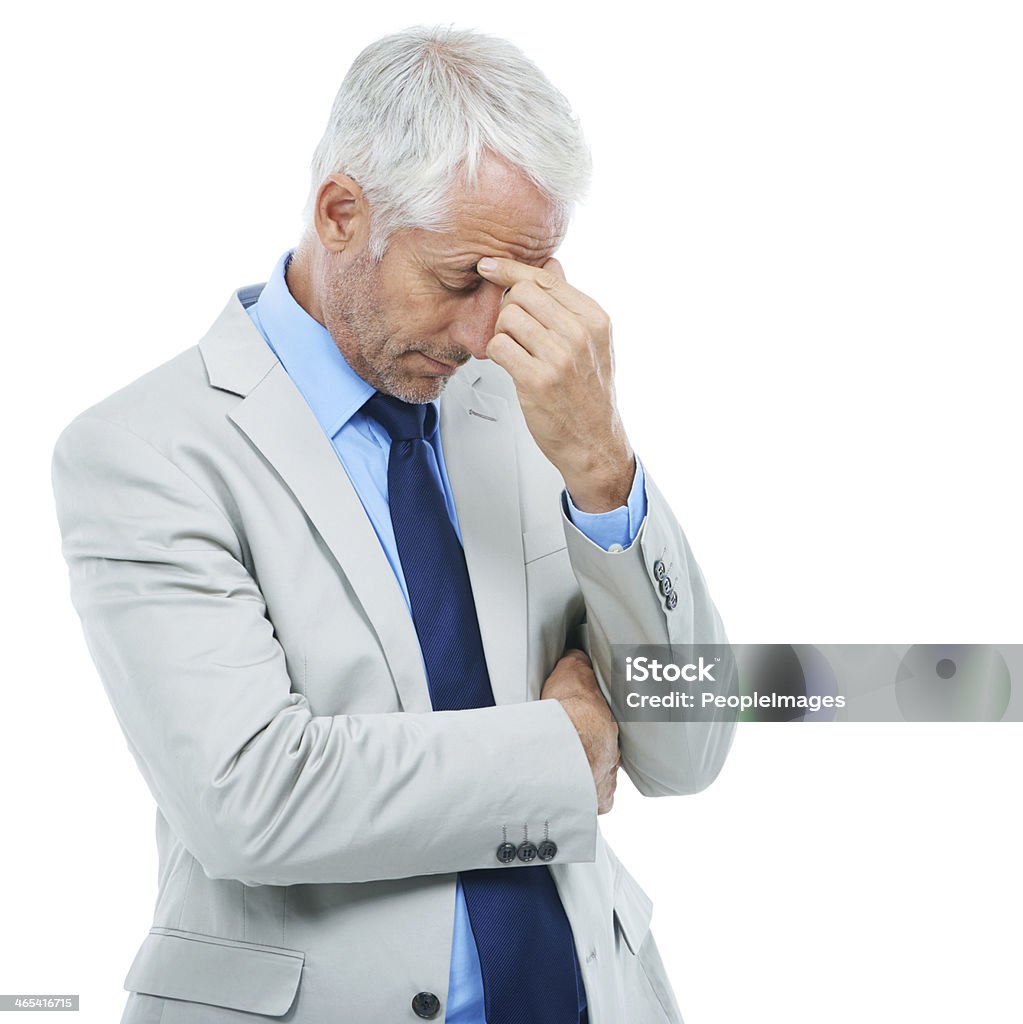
x: 508, y: 272
x: 549, y: 278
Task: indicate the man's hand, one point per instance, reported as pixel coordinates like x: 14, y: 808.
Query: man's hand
x: 573, y: 683
x: 556, y: 344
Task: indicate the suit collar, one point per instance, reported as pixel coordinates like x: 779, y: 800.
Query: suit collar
x: 478, y: 436
x: 334, y: 391
x: 234, y: 352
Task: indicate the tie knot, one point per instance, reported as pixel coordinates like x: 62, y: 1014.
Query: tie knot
x: 401, y: 420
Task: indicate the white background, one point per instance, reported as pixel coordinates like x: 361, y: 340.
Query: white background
x: 806, y: 224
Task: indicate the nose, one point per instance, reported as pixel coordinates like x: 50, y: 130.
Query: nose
x: 473, y: 326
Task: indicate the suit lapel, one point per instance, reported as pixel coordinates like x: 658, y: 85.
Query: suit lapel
x: 477, y: 435
x: 277, y: 420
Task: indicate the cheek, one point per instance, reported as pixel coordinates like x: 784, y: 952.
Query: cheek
x: 424, y: 315
x: 416, y: 308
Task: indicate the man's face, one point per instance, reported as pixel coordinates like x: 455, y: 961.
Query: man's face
x: 406, y: 323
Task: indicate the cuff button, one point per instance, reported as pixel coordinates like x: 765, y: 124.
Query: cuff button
x: 527, y: 852
x: 659, y: 571
x: 506, y: 853
x: 547, y: 850
x: 672, y: 600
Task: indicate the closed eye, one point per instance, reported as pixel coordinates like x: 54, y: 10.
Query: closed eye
x: 465, y: 288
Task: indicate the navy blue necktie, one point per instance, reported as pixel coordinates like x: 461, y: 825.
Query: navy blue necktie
x: 523, y: 937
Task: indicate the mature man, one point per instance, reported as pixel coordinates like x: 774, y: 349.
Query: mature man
x: 328, y: 560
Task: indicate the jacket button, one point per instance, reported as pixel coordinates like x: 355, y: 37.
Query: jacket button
x: 425, y: 1005
x: 527, y: 852
x: 659, y: 571
x: 547, y: 850
x: 672, y: 600
x: 506, y: 853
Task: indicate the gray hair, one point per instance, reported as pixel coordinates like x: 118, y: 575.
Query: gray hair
x: 420, y: 107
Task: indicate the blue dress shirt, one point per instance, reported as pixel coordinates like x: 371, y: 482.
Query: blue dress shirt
x: 336, y: 394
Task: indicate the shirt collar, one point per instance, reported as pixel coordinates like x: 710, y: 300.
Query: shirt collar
x: 333, y: 390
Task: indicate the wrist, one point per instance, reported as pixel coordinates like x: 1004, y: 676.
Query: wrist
x: 603, y: 483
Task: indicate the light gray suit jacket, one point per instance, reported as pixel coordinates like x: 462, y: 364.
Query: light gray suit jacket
x: 312, y: 810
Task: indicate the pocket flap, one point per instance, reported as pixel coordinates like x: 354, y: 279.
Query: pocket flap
x: 211, y: 969
x: 633, y: 909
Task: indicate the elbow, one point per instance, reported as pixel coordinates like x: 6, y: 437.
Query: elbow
x: 235, y: 871
x: 226, y: 845
x: 700, y: 778
x: 705, y: 770
x: 229, y: 859
x: 684, y: 785
x: 236, y: 848
x: 684, y: 776
x: 218, y: 852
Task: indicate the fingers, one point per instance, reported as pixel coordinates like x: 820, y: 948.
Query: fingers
x: 504, y: 350
x: 554, y: 266
x: 507, y: 273
x: 577, y: 654
x: 606, y: 791
x: 565, y: 332
x: 532, y: 335
x: 545, y: 309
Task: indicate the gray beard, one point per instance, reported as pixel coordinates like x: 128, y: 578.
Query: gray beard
x: 359, y: 320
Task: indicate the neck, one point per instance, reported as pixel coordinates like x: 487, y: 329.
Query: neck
x: 300, y: 276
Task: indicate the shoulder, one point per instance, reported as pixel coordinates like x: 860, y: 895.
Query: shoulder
x: 187, y: 398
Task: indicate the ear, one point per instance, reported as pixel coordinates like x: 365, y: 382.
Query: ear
x: 341, y: 214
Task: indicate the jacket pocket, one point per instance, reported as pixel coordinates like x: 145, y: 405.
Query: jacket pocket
x: 648, y: 994
x: 210, y: 969
x: 632, y: 910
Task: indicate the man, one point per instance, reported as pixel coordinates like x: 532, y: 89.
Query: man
x: 328, y: 560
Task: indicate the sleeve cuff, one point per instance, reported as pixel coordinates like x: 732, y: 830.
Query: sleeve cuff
x: 618, y: 528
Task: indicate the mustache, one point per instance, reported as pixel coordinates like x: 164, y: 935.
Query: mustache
x: 451, y: 356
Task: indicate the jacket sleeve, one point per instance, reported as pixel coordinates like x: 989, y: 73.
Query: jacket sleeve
x: 256, y: 786
x: 625, y: 607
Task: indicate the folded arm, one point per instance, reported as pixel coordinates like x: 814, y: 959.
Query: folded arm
x: 626, y: 605
x: 256, y: 785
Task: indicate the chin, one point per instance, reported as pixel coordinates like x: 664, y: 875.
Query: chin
x: 416, y: 390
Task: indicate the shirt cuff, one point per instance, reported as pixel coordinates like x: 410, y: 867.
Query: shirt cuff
x: 615, y: 529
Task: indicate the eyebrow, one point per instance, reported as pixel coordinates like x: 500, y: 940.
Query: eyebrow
x: 471, y: 268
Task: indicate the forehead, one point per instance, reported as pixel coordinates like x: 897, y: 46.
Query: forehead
x: 501, y: 214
